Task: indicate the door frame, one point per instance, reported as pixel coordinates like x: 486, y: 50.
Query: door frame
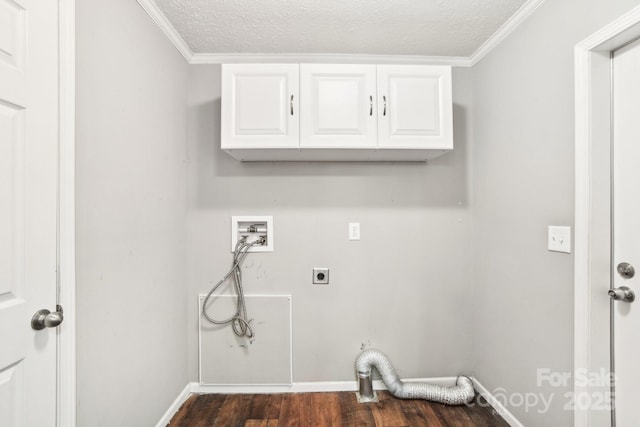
x: 592, y: 258
x: 66, y: 333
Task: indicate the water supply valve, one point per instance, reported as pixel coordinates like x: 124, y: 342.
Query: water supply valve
x: 253, y: 229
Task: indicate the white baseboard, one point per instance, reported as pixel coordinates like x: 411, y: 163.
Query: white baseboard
x: 304, y: 387
x: 496, y: 404
x: 182, y: 397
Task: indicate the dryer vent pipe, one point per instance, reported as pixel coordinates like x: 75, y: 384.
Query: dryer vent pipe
x: 459, y: 394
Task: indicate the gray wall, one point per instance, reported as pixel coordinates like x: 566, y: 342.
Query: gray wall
x: 131, y: 216
x: 404, y: 288
x: 523, y: 162
x: 442, y: 288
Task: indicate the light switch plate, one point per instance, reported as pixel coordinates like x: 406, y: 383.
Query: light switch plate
x: 560, y: 239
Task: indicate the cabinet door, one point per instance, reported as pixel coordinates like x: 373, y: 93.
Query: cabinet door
x: 260, y: 107
x: 414, y: 108
x: 338, y: 106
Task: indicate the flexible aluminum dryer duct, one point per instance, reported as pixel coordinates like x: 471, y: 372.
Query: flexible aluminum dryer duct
x: 459, y: 394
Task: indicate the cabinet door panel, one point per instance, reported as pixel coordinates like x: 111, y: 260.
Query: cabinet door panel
x: 337, y: 106
x: 416, y: 107
x: 260, y: 106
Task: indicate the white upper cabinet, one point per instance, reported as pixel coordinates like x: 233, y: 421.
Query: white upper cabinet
x: 415, y: 108
x: 336, y: 112
x: 260, y: 106
x: 337, y: 104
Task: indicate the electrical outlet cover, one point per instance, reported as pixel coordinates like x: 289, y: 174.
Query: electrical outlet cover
x: 320, y: 276
x: 354, y: 231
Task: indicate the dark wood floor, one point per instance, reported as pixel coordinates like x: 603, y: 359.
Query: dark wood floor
x: 328, y: 409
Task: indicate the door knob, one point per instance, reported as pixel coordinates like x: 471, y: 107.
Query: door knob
x: 622, y: 293
x: 46, y: 319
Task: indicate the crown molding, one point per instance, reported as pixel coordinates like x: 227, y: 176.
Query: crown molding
x: 338, y: 58
x: 176, y: 39
x: 621, y: 31
x: 507, y: 28
x: 167, y: 28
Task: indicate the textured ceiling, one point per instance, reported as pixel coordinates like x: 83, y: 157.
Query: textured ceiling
x: 376, y: 27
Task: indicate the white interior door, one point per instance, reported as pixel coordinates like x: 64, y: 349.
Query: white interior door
x: 28, y: 210
x: 626, y: 234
